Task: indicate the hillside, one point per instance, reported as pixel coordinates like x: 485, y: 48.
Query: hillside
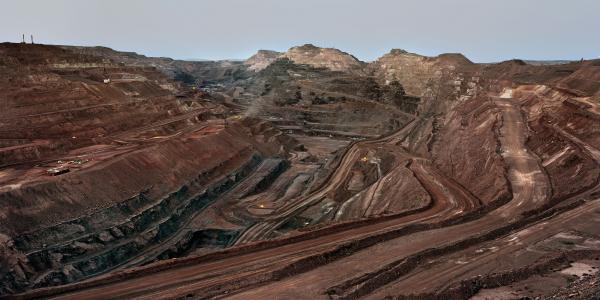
x: 304, y: 174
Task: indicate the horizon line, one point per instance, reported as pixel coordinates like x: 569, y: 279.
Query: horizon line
x: 198, y: 59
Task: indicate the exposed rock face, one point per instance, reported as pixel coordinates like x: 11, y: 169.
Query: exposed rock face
x: 54, y: 100
x: 328, y: 102
x: 261, y: 59
x: 103, y: 228
x: 330, y: 58
x: 143, y: 155
x: 424, y: 159
x: 415, y: 72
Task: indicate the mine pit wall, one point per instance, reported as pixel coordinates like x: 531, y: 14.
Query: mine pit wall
x: 297, y: 267
x: 150, y: 227
x: 583, y: 123
x: 361, y: 286
x: 59, y: 128
x: 156, y: 169
x: 342, y: 193
x: 469, y: 288
x: 326, y: 170
x: 476, y: 112
x: 354, y: 203
x: 213, y: 238
x: 415, y: 196
x: 468, y: 150
x: 52, y: 94
x: 275, y: 168
x: 313, y: 261
x: 102, y: 237
x: 569, y: 166
x: 570, y: 174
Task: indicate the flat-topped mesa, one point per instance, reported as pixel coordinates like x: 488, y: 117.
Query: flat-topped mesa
x: 261, y: 59
x: 330, y: 58
x: 414, y: 71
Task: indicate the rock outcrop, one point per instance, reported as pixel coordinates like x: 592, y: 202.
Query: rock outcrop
x: 261, y: 59
x: 308, y: 163
x: 329, y: 58
x: 415, y: 72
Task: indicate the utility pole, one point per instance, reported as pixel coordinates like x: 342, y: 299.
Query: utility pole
x: 23, y: 42
x: 32, y: 39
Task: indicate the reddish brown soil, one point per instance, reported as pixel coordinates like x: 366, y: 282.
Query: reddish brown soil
x: 320, y: 179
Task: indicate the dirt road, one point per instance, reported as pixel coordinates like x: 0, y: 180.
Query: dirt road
x: 376, y: 252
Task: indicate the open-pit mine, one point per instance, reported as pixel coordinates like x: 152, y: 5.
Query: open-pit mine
x: 305, y: 174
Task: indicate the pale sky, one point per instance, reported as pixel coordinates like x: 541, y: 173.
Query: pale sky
x: 483, y: 30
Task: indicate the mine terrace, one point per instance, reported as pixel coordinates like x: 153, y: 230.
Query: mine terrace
x: 307, y: 174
